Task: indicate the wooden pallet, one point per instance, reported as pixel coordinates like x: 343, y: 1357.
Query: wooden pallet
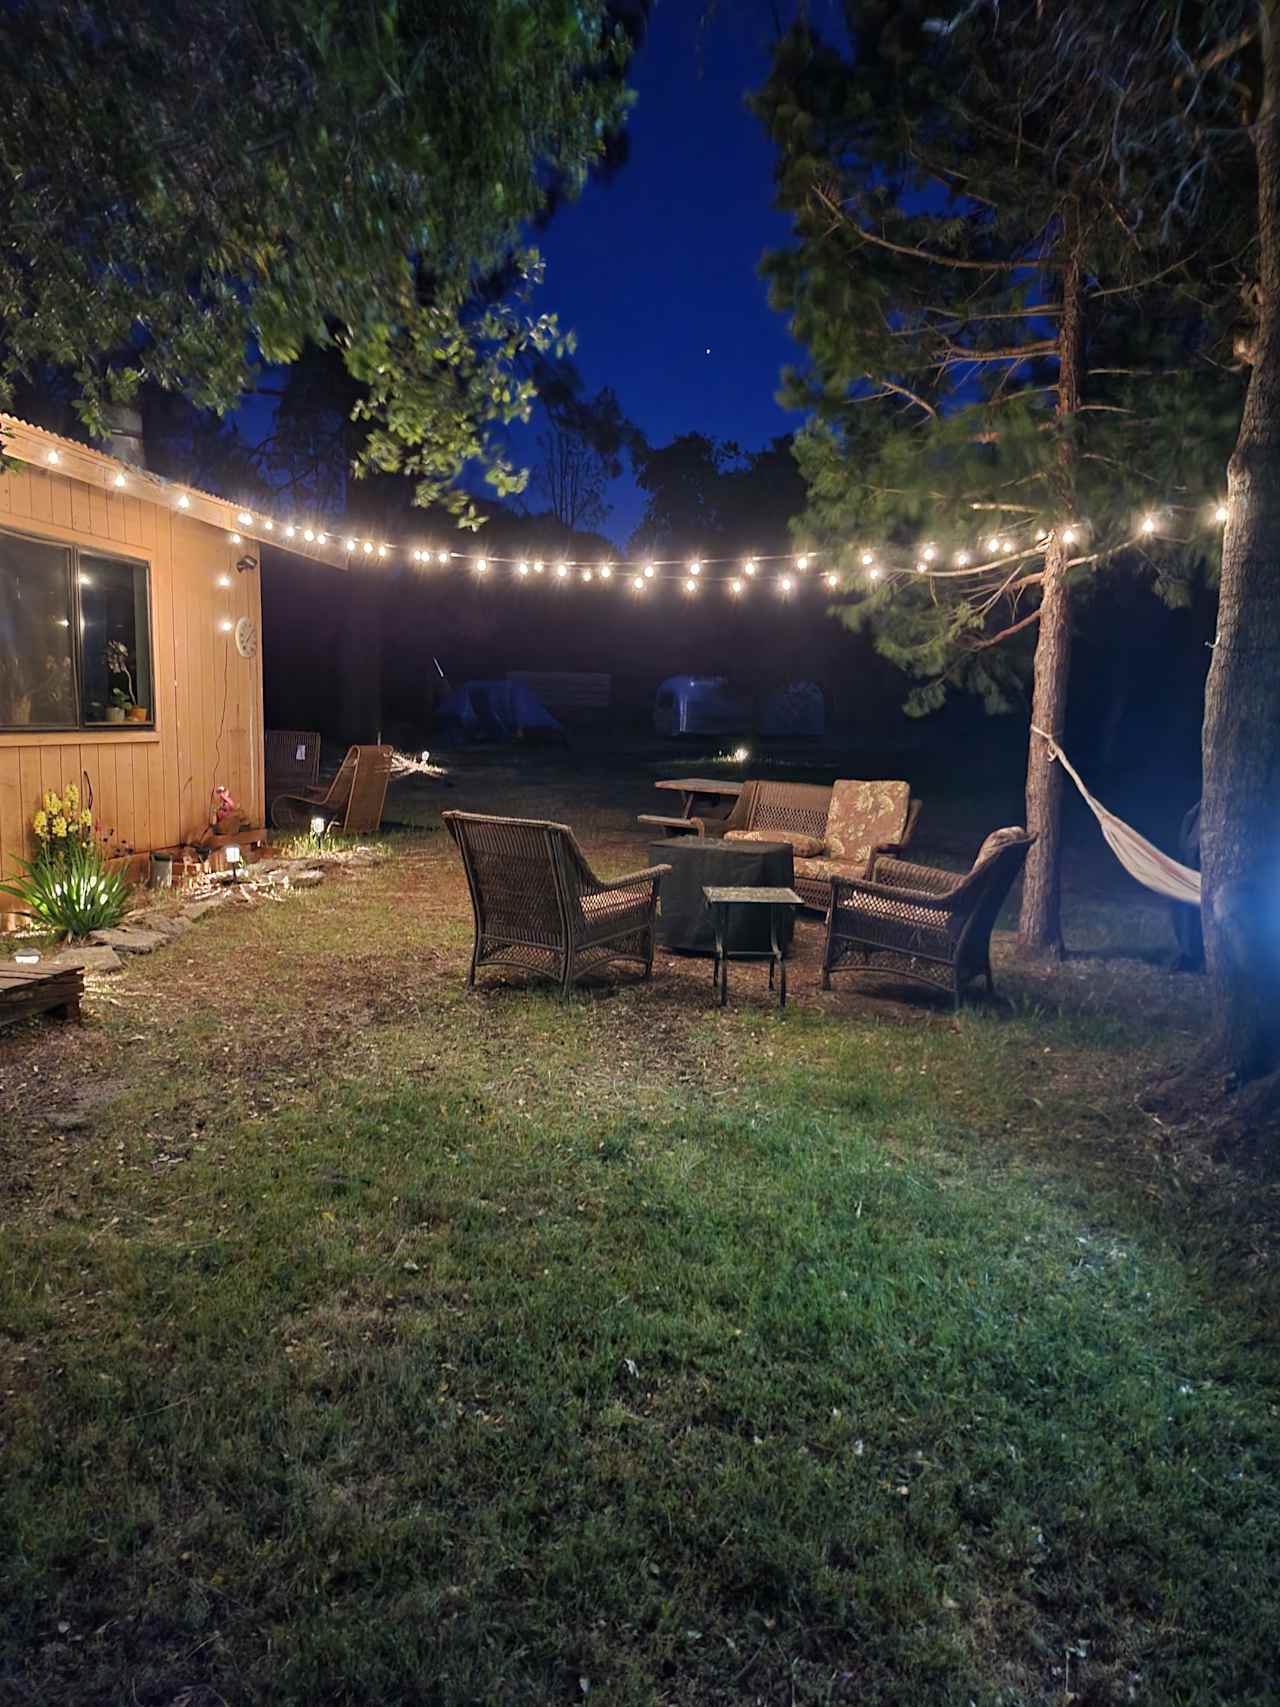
x: 29, y: 990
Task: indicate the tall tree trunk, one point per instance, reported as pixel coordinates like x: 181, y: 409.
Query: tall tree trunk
x: 1240, y: 819
x: 1040, y: 923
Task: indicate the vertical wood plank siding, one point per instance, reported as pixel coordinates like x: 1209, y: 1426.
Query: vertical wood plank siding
x: 151, y: 787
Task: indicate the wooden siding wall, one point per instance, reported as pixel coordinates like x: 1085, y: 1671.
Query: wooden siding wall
x: 151, y: 786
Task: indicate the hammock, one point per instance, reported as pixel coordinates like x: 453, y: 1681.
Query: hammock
x: 1140, y: 858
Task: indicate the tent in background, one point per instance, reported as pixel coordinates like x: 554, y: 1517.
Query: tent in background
x: 701, y: 705
x: 496, y: 711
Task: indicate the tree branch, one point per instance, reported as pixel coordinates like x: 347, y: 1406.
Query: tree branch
x: 838, y: 213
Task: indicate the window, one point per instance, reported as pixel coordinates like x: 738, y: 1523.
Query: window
x: 75, y: 638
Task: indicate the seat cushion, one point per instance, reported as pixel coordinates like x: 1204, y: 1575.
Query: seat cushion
x: 864, y: 816
x: 804, y: 846
x: 826, y: 869
x: 999, y: 839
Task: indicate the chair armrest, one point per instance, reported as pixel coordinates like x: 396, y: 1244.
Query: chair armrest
x: 887, y: 892
x: 631, y: 880
x: 897, y: 873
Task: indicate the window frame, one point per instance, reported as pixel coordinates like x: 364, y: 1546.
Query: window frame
x: 73, y: 551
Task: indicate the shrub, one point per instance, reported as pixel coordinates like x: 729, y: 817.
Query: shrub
x: 67, y: 886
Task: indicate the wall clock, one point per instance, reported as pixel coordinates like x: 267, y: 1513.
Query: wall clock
x: 246, y: 638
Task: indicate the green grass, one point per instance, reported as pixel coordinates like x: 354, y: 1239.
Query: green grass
x: 372, y: 1342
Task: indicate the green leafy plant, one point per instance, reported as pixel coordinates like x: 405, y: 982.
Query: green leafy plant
x: 74, y: 892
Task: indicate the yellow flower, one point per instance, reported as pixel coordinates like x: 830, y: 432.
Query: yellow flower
x: 86, y: 818
x: 59, y: 825
x: 72, y: 796
x: 51, y: 801
x: 40, y: 823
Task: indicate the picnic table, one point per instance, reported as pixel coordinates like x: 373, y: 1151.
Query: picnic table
x: 28, y: 990
x: 703, y: 797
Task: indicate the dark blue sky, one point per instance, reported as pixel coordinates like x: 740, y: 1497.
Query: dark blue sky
x: 656, y: 272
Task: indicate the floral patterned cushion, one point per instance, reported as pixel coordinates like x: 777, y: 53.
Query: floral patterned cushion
x: 999, y: 839
x: 864, y: 816
x: 829, y: 868
x: 803, y: 846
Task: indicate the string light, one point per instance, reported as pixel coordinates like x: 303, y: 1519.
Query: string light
x: 351, y: 545
x: 367, y: 548
x: 922, y: 568
x: 963, y: 559
x: 735, y: 586
x: 442, y: 556
x: 695, y: 568
x: 223, y: 580
x: 831, y: 578
x: 586, y: 575
x: 184, y: 503
x: 637, y: 583
x: 308, y: 534
x: 1148, y: 524
x: 482, y: 565
x: 382, y: 551
x: 289, y: 532
x: 322, y: 539
x: 802, y: 563
x: 234, y: 538
x: 993, y: 545
x: 1220, y: 514
x: 268, y: 527
x: 119, y: 480
x: 522, y: 569
x: 606, y: 571
x: 875, y: 575
x: 225, y: 625
x: 785, y: 584
x: 245, y: 519
x: 868, y: 558
x: 562, y: 570
x: 53, y: 457
x: 929, y: 553
x: 749, y: 568
x: 648, y: 571
x: 691, y: 586
x: 1069, y: 536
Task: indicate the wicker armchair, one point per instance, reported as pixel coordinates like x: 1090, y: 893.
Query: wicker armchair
x: 911, y: 921
x: 539, y: 905
x: 352, y: 802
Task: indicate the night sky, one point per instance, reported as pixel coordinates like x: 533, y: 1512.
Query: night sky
x: 656, y: 272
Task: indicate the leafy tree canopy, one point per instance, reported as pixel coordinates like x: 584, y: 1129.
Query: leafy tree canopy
x: 947, y: 176
x: 194, y: 188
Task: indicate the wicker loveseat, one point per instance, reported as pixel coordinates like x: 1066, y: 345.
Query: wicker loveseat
x: 538, y: 904
x: 834, y: 832
x: 911, y: 921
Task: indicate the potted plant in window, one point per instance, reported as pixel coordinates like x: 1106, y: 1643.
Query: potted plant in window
x: 124, y: 705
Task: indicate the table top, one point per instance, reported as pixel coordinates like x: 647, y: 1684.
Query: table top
x: 700, y: 785
x: 710, y: 847
x: 740, y: 893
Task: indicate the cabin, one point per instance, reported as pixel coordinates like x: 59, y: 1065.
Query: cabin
x: 130, y: 612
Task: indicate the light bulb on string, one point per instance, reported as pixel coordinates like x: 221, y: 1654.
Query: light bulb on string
x: 690, y: 586
x: 637, y: 583
x: 268, y: 526
x: 868, y: 558
x: 993, y: 545
x: 234, y: 538
x: 874, y: 574
x: 562, y: 570
x: 482, y: 565
x: 308, y: 535
x: 648, y: 571
x: 802, y: 563
x: 1148, y: 525
x: 184, y: 503
x: 119, y: 480
x: 1220, y: 514
x: 962, y: 559
x: 831, y: 578
x: 1069, y: 536
x: 245, y: 519
x: 367, y: 548
x: 929, y: 553
x: 53, y: 457
x: 382, y: 551
x: 522, y: 569
x: 606, y: 571
x: 442, y: 556
x: 587, y: 575
x: 289, y: 532
x: 922, y: 568
x: 322, y: 539
x: 785, y: 584
x: 749, y: 568
x: 539, y: 567
x: 351, y: 545
x: 735, y: 586
x: 695, y: 568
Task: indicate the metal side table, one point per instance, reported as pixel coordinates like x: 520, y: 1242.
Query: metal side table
x: 720, y: 898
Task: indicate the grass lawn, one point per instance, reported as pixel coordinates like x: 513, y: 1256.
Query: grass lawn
x: 363, y: 1340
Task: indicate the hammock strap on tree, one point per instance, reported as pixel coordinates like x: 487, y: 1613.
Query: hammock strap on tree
x: 1140, y: 858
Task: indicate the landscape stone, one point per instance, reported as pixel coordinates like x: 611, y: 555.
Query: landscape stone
x: 206, y: 904
x: 130, y: 941
x: 306, y: 879
x: 87, y: 959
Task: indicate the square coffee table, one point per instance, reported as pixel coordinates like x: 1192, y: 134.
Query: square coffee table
x: 720, y: 898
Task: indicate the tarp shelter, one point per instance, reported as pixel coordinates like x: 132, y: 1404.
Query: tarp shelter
x: 796, y: 709
x: 701, y: 705
x: 497, y: 711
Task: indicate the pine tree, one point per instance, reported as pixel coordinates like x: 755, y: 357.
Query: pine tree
x: 1011, y: 382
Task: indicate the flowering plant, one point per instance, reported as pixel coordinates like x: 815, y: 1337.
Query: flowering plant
x: 67, y: 886
x: 222, y: 806
x: 60, y: 822
x: 116, y: 657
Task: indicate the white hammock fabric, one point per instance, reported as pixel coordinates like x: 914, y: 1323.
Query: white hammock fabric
x: 1140, y: 858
